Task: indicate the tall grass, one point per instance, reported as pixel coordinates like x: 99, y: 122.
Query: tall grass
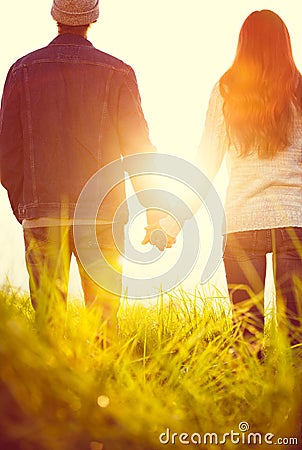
x: 176, y: 365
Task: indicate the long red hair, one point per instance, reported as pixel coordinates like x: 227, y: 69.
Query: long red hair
x: 262, y: 88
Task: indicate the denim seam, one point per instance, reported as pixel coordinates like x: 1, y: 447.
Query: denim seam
x: 66, y: 61
x: 103, y: 116
x: 30, y: 135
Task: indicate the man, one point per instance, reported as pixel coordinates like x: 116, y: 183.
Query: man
x: 68, y: 110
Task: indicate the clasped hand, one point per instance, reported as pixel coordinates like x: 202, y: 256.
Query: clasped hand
x: 155, y: 235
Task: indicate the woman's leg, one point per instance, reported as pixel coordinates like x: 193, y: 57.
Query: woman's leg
x: 245, y: 266
x: 287, y: 263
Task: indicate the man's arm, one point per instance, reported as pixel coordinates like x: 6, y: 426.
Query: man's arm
x: 134, y: 139
x: 132, y: 125
x: 11, y: 142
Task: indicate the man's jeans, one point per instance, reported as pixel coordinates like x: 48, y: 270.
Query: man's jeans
x: 245, y: 265
x: 48, y: 257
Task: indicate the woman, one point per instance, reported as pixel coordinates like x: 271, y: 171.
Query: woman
x: 255, y: 116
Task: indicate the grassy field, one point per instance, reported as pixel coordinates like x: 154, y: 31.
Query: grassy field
x: 174, y: 369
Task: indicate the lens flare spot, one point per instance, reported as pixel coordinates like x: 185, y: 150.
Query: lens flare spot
x: 103, y: 401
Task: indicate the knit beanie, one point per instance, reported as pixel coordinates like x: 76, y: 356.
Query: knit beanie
x: 75, y: 12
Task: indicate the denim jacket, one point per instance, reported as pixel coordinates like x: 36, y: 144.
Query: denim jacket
x: 67, y: 110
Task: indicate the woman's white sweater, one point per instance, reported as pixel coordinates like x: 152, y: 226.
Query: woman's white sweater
x: 262, y: 193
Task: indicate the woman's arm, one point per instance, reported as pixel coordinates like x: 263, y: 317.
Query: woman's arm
x: 214, y: 139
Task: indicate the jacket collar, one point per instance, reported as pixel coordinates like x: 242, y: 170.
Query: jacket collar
x: 71, y: 39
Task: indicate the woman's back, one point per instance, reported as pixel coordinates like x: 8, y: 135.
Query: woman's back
x: 266, y: 192
x: 262, y: 192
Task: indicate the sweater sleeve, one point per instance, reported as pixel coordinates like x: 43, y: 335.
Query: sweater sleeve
x: 214, y: 140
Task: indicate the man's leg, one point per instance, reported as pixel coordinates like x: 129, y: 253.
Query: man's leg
x: 48, y: 261
x: 102, y: 292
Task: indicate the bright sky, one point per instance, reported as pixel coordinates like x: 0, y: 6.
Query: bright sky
x: 178, y: 50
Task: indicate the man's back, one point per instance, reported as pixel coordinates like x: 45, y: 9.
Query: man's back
x: 79, y: 109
